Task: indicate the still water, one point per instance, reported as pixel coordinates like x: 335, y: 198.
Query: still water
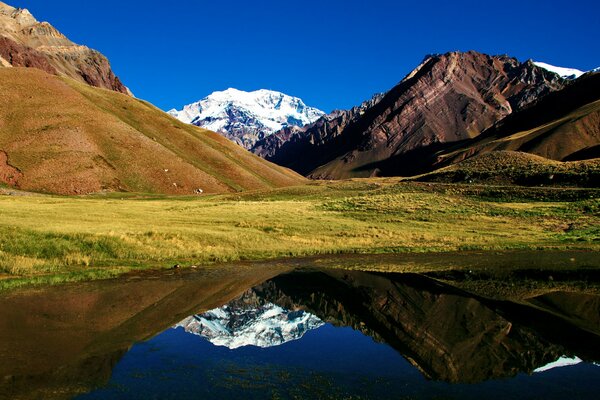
x: 304, y: 333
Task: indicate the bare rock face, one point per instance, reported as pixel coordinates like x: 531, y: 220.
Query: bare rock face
x: 563, y: 126
x: 25, y: 42
x: 290, y: 141
x: 18, y: 55
x: 448, y: 98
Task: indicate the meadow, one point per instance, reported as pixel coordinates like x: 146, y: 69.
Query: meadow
x: 51, y: 239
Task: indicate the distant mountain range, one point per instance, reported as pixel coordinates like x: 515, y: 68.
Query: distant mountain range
x: 452, y: 107
x: 246, y: 117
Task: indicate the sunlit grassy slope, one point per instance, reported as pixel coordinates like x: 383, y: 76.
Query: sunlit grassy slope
x: 514, y: 167
x: 64, y: 137
x: 94, y: 237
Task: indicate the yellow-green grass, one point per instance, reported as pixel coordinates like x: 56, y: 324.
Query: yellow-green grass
x: 509, y: 167
x: 51, y: 239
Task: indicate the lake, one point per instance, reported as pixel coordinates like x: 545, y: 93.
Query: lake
x: 295, y: 329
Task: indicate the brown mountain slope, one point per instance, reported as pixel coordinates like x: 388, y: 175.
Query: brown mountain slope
x: 25, y: 42
x: 448, y: 98
x: 290, y: 142
x: 562, y: 126
x: 88, y: 327
x: 61, y: 136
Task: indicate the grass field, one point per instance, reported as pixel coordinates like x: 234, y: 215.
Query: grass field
x: 55, y: 239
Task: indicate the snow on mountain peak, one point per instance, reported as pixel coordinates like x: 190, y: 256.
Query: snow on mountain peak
x: 264, y: 325
x: 567, y: 73
x: 246, y: 117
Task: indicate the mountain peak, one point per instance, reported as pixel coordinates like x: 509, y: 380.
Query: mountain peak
x: 15, y: 17
x: 448, y: 98
x: 25, y: 42
x: 246, y: 117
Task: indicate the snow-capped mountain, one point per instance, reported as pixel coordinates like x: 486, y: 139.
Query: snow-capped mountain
x: 246, y: 117
x: 239, y: 324
x: 566, y: 73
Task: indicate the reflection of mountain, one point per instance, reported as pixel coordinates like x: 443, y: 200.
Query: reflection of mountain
x: 248, y: 321
x: 59, y: 341
x: 447, y: 334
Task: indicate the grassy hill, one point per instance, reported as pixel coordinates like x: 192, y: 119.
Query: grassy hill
x: 64, y: 137
x: 512, y: 167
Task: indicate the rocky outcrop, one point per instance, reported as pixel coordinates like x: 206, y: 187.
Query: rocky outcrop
x: 18, y: 55
x: 448, y: 98
x: 25, y: 42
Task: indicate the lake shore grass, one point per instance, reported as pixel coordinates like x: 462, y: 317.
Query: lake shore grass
x: 49, y: 239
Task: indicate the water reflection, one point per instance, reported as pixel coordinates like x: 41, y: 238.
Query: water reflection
x: 58, y: 343
x: 250, y: 321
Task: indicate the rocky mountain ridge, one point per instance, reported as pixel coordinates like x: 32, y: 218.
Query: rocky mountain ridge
x: 331, y: 124
x: 26, y: 42
x: 448, y: 98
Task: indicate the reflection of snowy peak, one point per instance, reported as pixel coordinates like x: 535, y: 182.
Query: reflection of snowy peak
x: 238, y: 324
x: 246, y: 117
x: 563, y: 361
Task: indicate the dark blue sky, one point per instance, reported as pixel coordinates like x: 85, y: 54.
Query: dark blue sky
x: 333, y: 54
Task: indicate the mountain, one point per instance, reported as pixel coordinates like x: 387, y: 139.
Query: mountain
x: 96, y: 140
x: 448, y: 98
x: 26, y: 42
x: 566, y: 73
x: 245, y: 117
x: 563, y: 126
x: 247, y: 321
x: 275, y: 146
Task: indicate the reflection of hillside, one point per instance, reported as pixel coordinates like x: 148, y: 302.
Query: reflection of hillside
x: 62, y: 382
x: 60, y: 341
x: 446, y: 333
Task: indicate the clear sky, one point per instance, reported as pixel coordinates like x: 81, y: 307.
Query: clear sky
x: 332, y: 54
